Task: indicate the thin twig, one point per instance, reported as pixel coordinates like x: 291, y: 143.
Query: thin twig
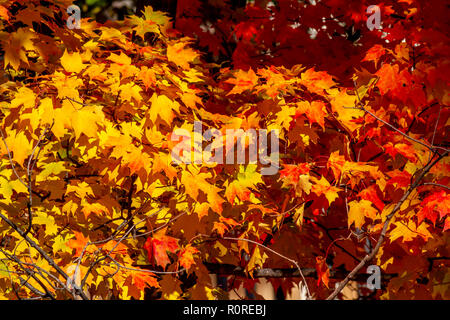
x: 435, y: 185
x: 430, y: 147
x: 397, y: 207
x: 43, y: 254
x: 276, y: 253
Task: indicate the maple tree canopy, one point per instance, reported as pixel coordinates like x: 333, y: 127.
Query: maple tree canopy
x: 92, y: 206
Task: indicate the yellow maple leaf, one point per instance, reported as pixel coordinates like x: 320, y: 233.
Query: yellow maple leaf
x: 52, y: 168
x: 60, y: 244
x: 157, y: 17
x: 67, y: 86
x: 86, y: 120
x: 409, y: 231
x: 82, y: 190
x: 344, y: 105
x: 359, y: 210
x: 283, y: 118
x: 89, y: 208
x: 163, y: 107
x: 256, y: 261
x: 72, y: 62
x: 42, y: 218
x: 315, y: 111
x: 162, y: 162
x: 322, y: 186
x: 7, y: 187
x: 180, y: 55
x: 193, y: 183
x: 304, y: 184
x: 19, y: 145
x: 25, y: 97
x: 19, y: 42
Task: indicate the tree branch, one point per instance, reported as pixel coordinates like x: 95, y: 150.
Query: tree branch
x: 43, y: 254
x: 397, y: 207
x: 229, y: 269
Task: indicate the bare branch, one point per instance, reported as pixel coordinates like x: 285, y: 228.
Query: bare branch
x: 43, y: 254
x: 270, y: 250
x: 228, y: 269
x: 397, y: 207
x: 435, y: 185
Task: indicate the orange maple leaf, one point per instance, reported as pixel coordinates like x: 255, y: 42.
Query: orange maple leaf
x: 400, y: 148
x: 220, y: 228
x: 244, y: 80
x: 143, y: 279
x: 323, y: 272
x: 157, y: 247
x: 186, y: 255
x: 374, y: 54
x: 78, y: 243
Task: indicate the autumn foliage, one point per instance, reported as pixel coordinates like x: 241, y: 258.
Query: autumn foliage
x: 92, y: 207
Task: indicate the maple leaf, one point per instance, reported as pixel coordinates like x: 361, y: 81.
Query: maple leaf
x: 370, y: 194
x: 157, y: 247
x: 447, y: 224
x: 82, y: 190
x: 96, y: 208
x: 404, y: 149
x: 323, y: 187
x: 158, y: 17
x: 142, y: 279
x: 196, y: 182
x: 257, y: 260
x: 4, y: 13
x: 245, y: 30
x: 18, y: 44
x: 315, y: 111
x: 147, y: 76
x: 221, y: 228
x: 79, y: 243
x: 72, y: 62
x: 409, y: 231
x: 51, y: 228
x: 344, y: 105
x: 186, y: 256
x: 400, y: 178
x: 374, y: 54
x: 24, y: 96
x: 316, y: 81
x: 8, y: 186
x: 163, y: 107
x: 247, y: 178
x: 60, y: 244
x: 293, y: 172
x: 180, y: 55
x: 243, y: 80
x: 336, y: 162
x: 19, y: 145
x: 323, y: 272
x: 358, y: 211
x: 54, y: 168
x: 434, y: 205
x: 283, y: 118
